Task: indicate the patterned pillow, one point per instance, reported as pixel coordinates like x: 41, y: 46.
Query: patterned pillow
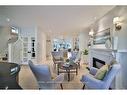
x: 101, y: 72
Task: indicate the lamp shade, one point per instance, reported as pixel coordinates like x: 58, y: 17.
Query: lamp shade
x: 91, y: 33
x: 116, y: 20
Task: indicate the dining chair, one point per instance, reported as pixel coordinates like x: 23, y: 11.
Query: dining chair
x: 57, y: 57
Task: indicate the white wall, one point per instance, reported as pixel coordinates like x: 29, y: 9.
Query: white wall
x: 121, y: 82
x: 107, y: 22
x: 4, y: 37
x: 41, y: 46
x: 48, y: 46
x: 27, y: 31
x: 83, y: 40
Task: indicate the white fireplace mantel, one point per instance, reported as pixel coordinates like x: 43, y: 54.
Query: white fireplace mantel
x: 104, y: 50
x: 105, y: 55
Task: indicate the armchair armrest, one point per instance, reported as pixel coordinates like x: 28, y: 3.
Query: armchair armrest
x: 53, y: 84
x: 46, y: 84
x: 93, y: 70
x: 59, y: 78
x: 92, y: 82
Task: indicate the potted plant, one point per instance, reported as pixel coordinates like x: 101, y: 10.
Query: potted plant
x: 85, y: 56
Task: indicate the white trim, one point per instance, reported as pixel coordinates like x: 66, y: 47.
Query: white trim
x: 123, y: 50
x: 104, y: 50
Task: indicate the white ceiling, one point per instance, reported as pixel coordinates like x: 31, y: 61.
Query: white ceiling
x: 53, y: 18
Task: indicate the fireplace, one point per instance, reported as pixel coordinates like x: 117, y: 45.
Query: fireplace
x: 97, y: 63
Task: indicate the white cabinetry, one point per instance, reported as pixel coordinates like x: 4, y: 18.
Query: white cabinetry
x: 28, y: 49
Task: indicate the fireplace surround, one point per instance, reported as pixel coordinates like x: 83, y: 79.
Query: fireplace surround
x: 100, y: 57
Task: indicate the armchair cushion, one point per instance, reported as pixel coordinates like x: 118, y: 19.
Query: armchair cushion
x: 52, y: 84
x: 91, y: 82
x: 43, y: 76
x: 101, y: 72
x: 93, y: 70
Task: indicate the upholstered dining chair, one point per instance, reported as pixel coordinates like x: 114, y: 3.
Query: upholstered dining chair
x: 78, y: 59
x: 57, y: 57
x: 92, y: 83
x: 43, y: 77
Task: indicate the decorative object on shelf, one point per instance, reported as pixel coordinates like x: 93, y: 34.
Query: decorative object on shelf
x: 117, y: 23
x: 33, y: 47
x: 101, y: 37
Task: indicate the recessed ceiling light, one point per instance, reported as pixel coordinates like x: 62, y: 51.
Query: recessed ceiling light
x: 7, y: 19
x: 95, y: 18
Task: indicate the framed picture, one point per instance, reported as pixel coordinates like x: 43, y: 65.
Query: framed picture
x: 101, y: 37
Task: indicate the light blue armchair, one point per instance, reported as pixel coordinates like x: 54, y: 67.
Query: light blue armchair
x: 43, y: 77
x: 92, y: 83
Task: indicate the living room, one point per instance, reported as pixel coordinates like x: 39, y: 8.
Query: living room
x: 91, y: 36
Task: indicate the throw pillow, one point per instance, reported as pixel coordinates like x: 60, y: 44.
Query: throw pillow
x: 101, y: 72
x: 113, y: 61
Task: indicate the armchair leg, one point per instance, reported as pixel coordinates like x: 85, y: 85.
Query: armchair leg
x: 61, y: 86
x: 83, y: 86
x: 110, y: 88
x: 79, y: 65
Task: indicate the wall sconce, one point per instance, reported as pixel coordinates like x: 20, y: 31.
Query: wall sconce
x: 91, y: 33
x: 117, y: 23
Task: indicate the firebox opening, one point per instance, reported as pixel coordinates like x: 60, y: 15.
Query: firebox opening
x: 97, y: 63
